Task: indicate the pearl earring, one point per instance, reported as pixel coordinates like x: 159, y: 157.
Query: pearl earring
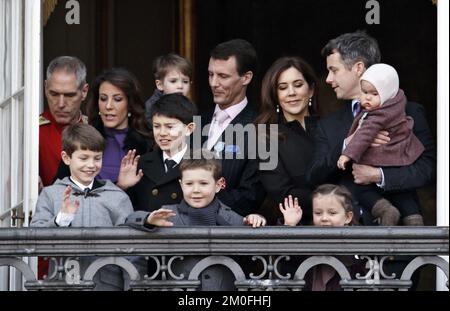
x: 129, y: 114
x: 278, y: 108
x: 310, y: 101
x: 99, y: 113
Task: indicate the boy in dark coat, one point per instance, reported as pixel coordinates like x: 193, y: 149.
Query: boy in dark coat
x: 152, y: 179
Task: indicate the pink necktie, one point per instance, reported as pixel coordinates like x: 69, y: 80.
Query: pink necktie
x: 217, y: 127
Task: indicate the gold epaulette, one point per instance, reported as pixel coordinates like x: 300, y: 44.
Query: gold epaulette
x: 43, y: 121
x: 84, y: 119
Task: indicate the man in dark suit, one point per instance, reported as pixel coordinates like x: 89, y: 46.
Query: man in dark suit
x: 348, y: 56
x: 231, y: 68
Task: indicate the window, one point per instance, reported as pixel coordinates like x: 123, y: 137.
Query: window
x: 11, y: 112
x: 20, y: 99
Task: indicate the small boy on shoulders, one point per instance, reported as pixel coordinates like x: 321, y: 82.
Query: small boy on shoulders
x: 173, y: 74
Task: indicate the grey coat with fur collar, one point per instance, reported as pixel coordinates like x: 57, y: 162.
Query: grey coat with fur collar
x: 105, y: 206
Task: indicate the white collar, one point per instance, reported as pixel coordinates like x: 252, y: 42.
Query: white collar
x: 177, y: 157
x: 80, y: 185
x: 234, y: 110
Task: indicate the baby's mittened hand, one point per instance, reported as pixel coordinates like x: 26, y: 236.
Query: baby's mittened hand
x: 67, y: 206
x: 291, y: 211
x: 343, y: 160
x: 255, y: 220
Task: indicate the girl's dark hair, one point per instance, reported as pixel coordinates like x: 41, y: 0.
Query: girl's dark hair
x: 341, y: 193
x: 129, y: 85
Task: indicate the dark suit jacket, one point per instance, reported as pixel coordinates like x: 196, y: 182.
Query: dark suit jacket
x: 244, y: 191
x: 331, y: 132
x: 295, y: 149
x: 156, y: 188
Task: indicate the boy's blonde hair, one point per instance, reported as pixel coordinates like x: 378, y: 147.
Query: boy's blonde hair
x: 82, y: 136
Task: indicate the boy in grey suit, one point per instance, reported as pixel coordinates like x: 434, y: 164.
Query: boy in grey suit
x: 201, y: 179
x: 82, y: 201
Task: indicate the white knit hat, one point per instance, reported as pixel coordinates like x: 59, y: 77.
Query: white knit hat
x: 385, y: 79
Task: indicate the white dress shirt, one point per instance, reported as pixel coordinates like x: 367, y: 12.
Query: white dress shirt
x: 218, y: 126
x: 177, y: 157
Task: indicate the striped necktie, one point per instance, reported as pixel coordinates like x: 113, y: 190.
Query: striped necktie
x: 356, y: 108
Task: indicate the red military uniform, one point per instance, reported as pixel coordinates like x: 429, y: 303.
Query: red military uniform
x: 50, y: 146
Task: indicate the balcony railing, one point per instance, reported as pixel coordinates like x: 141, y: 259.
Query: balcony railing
x: 268, y: 250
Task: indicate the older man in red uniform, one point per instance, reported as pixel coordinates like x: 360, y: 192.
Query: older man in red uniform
x: 65, y: 89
